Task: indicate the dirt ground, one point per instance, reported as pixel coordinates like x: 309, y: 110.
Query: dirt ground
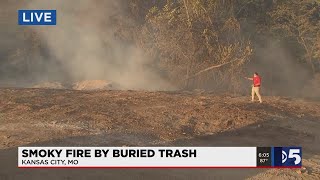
x: 47, y: 117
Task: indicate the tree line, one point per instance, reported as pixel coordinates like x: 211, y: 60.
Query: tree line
x: 211, y: 44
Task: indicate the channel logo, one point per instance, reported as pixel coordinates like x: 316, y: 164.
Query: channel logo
x: 37, y: 17
x: 291, y: 156
x: 288, y: 156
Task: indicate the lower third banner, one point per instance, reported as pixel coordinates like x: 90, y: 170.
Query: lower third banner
x: 157, y: 157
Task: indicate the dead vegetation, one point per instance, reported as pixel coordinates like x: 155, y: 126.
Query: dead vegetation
x: 205, y: 44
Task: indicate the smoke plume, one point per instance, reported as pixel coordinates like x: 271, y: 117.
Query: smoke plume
x: 85, y: 45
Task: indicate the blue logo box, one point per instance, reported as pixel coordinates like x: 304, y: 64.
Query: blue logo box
x: 287, y: 156
x: 37, y: 17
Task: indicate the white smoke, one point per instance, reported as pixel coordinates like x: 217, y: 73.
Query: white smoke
x: 84, y: 44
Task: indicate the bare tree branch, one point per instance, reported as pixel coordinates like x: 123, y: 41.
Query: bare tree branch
x: 210, y: 68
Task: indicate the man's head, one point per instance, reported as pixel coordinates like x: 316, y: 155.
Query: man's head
x: 255, y: 74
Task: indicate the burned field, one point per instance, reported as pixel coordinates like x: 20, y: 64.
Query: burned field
x: 47, y: 117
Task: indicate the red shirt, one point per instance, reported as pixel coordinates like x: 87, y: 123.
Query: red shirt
x: 257, y: 81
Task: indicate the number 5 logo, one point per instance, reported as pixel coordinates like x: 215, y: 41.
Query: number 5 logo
x: 295, y: 153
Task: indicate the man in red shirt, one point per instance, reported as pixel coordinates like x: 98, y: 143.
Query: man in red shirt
x: 256, y: 86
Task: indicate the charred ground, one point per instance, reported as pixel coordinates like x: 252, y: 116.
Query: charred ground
x: 141, y: 118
